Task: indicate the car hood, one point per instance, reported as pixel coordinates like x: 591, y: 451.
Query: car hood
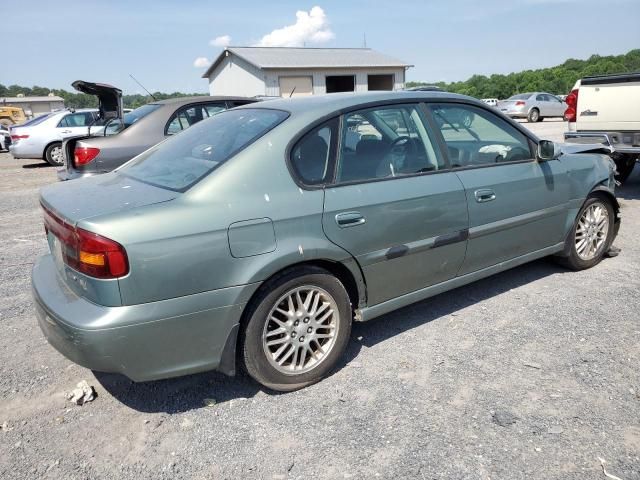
x: 100, y: 195
x: 109, y: 97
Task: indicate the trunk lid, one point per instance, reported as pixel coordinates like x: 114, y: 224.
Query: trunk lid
x: 100, y: 195
x: 109, y: 97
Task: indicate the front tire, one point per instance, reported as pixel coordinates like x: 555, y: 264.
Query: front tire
x: 296, y: 329
x: 591, y: 235
x: 533, y: 116
x: 53, y: 154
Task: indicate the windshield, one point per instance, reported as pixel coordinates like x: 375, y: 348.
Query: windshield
x: 130, y: 118
x: 521, y: 96
x: 184, y: 159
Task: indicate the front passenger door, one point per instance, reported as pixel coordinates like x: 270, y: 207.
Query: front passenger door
x: 517, y: 205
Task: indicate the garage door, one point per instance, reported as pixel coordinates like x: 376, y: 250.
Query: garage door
x: 300, y: 86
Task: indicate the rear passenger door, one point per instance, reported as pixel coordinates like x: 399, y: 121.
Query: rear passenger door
x: 75, y: 124
x: 393, y: 204
x: 517, y: 205
x: 189, y: 115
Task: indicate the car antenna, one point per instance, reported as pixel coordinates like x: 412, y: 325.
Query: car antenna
x: 150, y: 94
x: 294, y: 89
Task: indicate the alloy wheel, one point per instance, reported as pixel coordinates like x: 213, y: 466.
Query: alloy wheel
x: 592, y: 231
x: 301, y: 330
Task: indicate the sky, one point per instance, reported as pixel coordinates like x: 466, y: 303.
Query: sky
x: 168, y: 44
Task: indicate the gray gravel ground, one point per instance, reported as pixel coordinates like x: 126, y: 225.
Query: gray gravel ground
x: 531, y: 374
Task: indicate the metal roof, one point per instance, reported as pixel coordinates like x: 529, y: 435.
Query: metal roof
x: 31, y: 99
x: 294, y: 57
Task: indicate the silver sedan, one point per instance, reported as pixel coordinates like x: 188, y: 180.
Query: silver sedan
x: 535, y: 106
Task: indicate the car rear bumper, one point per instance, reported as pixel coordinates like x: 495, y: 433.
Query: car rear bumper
x: 621, y: 142
x: 20, y: 150
x: 144, y: 342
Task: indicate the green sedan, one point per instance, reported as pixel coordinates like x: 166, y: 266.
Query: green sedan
x: 255, y: 238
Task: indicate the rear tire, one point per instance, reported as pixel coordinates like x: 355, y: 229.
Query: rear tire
x: 591, y: 235
x: 533, y: 116
x: 53, y: 154
x: 287, y: 343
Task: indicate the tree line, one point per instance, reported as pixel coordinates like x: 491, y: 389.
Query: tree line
x: 557, y: 80
x: 82, y: 100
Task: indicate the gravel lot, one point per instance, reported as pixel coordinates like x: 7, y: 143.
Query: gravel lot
x: 532, y: 373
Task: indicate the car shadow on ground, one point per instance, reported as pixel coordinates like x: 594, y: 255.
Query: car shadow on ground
x: 41, y: 164
x: 191, y: 392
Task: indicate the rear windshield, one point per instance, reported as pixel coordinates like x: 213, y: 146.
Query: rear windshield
x: 521, y: 96
x: 35, y: 121
x: 184, y: 159
x: 130, y: 118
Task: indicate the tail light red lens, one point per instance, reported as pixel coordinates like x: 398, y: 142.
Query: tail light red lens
x: 520, y: 103
x: 570, y: 114
x: 84, y: 155
x: 19, y: 137
x: 85, y: 251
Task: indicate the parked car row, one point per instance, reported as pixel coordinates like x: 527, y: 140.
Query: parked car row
x: 256, y: 237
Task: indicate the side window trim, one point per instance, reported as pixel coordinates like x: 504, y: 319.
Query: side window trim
x: 442, y: 145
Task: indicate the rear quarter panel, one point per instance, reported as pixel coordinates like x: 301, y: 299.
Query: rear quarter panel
x: 182, y: 247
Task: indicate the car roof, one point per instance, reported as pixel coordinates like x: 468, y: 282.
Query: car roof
x: 197, y: 98
x: 332, y: 102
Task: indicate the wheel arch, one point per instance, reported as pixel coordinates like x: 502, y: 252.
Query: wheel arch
x: 44, y: 150
x: 349, y: 274
x: 602, y: 192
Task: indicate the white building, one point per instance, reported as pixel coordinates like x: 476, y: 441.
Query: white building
x: 280, y: 71
x: 34, y: 106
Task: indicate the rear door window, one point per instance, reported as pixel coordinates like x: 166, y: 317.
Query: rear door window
x: 183, y: 160
x: 190, y: 115
x: 389, y: 141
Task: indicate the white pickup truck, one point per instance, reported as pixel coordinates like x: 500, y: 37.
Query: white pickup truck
x: 606, y: 109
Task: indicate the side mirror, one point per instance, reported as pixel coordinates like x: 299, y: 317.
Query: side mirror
x: 548, y: 150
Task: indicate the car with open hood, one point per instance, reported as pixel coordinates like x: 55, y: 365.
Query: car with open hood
x: 128, y: 135
x: 256, y: 237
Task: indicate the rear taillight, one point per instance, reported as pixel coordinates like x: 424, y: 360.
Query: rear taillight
x: 19, y: 137
x: 570, y: 114
x: 520, y: 103
x: 84, y: 155
x: 87, y: 252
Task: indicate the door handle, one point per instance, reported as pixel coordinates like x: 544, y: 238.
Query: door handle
x: 66, y: 131
x: 485, y: 195
x: 349, y: 219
